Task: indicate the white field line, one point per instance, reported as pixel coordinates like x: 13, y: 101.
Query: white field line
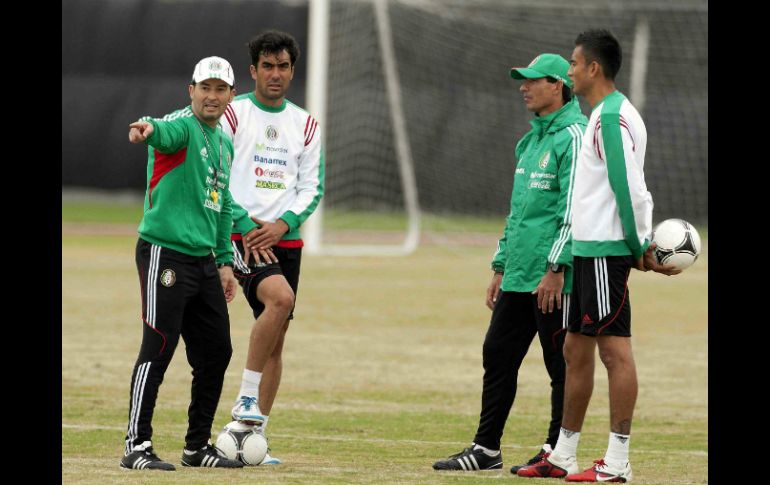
x: 396, y: 442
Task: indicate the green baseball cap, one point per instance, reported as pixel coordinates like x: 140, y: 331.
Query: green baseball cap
x: 552, y: 65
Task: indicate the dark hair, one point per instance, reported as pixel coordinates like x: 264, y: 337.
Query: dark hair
x: 601, y: 46
x: 566, y: 92
x: 273, y: 42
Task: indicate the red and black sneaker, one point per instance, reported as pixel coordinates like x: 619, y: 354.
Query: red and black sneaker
x: 601, y: 472
x: 549, y: 467
x: 540, y: 454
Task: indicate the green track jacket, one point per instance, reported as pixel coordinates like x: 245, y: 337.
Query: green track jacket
x: 185, y: 208
x: 538, y: 230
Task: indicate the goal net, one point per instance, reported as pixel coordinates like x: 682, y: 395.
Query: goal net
x: 422, y: 131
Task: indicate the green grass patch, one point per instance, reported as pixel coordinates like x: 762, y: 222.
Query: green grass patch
x: 101, y: 212
x: 131, y: 213
x: 382, y: 373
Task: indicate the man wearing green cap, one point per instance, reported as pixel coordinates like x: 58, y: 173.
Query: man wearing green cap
x: 529, y: 292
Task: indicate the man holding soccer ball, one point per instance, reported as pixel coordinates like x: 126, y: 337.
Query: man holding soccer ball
x: 611, y: 226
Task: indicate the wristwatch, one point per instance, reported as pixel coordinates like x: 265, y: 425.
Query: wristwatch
x: 219, y: 265
x: 556, y: 267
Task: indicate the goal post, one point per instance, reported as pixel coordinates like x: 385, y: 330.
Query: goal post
x: 318, y: 59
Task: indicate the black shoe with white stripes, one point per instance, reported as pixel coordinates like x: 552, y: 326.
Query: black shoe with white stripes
x: 145, y: 459
x: 471, y: 460
x: 208, y: 456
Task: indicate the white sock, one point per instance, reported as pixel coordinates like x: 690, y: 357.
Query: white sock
x: 617, y: 450
x: 142, y: 446
x: 566, y: 447
x: 264, y: 424
x: 250, y: 383
x: 486, y: 451
x: 188, y: 452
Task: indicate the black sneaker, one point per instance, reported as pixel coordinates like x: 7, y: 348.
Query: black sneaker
x: 540, y: 455
x: 470, y: 460
x: 145, y: 459
x: 208, y: 456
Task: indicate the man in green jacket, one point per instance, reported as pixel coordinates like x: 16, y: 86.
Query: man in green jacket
x: 529, y: 292
x: 184, y: 259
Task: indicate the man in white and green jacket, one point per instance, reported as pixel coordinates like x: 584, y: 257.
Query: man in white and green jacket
x: 611, y: 235
x: 529, y: 292
x: 278, y: 180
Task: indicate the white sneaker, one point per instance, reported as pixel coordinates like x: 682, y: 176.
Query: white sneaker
x: 246, y: 410
x: 601, y: 472
x: 268, y: 460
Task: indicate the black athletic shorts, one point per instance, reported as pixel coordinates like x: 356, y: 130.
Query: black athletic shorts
x: 600, y: 297
x: 250, y: 277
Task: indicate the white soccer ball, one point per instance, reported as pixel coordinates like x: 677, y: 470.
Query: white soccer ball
x: 678, y: 243
x: 242, y: 442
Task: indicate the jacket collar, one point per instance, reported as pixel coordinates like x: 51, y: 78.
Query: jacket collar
x: 557, y: 120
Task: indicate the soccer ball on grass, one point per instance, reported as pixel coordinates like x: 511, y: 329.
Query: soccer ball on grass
x: 242, y: 442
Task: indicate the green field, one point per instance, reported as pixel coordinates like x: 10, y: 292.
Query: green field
x: 382, y: 369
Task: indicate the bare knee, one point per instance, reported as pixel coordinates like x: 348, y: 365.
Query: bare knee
x: 275, y: 293
x: 615, y: 358
x: 578, y: 353
x: 281, y: 301
x: 284, y: 301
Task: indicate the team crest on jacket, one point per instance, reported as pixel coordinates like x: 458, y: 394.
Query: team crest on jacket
x: 204, y: 152
x: 168, y: 278
x: 271, y: 133
x: 544, y: 160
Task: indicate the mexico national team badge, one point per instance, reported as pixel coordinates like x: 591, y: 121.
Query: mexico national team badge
x: 168, y: 278
x: 544, y: 161
x: 271, y: 133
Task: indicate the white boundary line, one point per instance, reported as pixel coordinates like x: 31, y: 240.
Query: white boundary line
x: 382, y: 440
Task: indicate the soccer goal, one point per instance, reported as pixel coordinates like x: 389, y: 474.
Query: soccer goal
x: 397, y: 205
x: 421, y: 118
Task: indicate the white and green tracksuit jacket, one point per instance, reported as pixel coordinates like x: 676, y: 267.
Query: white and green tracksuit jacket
x: 611, y: 204
x: 538, y: 229
x: 278, y: 171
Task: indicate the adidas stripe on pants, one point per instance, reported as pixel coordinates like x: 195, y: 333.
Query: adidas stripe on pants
x: 181, y: 295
